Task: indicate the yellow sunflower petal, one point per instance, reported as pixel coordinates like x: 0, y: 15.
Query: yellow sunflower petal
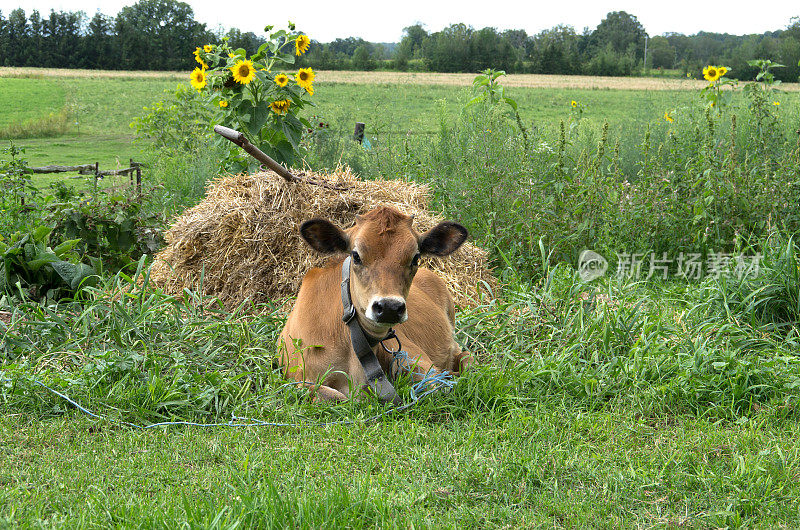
x: 198, y: 78
x: 301, y: 44
x: 243, y: 72
x: 280, y: 107
x: 305, y: 78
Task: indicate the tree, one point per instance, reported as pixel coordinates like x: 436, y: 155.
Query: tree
x: 36, y: 42
x: 158, y: 35
x: 98, y: 44
x: 62, y: 39
x: 348, y: 46
x: 249, y: 41
x: 516, y: 37
x: 662, y: 54
x: 789, y: 52
x: 555, y: 51
x: 410, y: 46
x: 362, y: 59
x: 17, y: 50
x: 488, y: 49
x: 448, y: 50
x: 3, y: 35
x: 622, y: 32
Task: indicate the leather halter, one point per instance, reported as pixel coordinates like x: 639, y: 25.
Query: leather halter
x: 364, y: 344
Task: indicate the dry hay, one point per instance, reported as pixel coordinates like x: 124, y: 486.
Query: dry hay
x: 244, y: 236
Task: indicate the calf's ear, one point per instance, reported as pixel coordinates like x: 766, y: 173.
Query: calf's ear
x: 443, y: 239
x: 323, y: 236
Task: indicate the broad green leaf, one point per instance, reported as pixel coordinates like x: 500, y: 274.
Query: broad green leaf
x: 511, y: 103
x: 65, y: 247
x: 72, y: 273
x: 41, y: 260
x: 260, y: 117
x: 475, y: 100
x: 293, y: 131
x: 40, y: 233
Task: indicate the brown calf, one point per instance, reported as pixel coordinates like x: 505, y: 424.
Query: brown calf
x: 388, y: 290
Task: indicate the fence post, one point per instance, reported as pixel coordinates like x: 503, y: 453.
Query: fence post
x: 130, y: 173
x: 358, y: 134
x: 96, y: 174
x: 139, y: 179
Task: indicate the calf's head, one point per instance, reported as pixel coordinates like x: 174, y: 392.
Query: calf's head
x: 385, y: 251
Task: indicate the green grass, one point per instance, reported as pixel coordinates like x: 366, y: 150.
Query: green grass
x: 386, y: 110
x: 100, y: 113
x: 40, y: 97
x: 545, y: 468
x: 104, y: 108
x: 554, y: 428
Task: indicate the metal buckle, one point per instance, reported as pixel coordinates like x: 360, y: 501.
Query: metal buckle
x: 389, y: 336
x: 349, y: 314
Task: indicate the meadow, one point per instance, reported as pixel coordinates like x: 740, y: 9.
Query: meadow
x: 619, y: 402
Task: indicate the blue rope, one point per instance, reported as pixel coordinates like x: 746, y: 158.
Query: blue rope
x: 433, y: 381
x: 429, y: 384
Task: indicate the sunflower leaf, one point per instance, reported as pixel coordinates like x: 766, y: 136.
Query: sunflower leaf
x: 292, y: 129
x: 475, y: 100
x: 259, y: 118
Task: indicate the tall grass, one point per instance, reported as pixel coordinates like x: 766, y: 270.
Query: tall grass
x: 763, y: 295
x: 143, y: 356
x: 49, y: 126
x: 700, y: 184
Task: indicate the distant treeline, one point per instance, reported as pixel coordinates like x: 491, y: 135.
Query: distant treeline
x: 161, y: 35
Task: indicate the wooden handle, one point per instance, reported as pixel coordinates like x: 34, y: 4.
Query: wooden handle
x: 240, y: 140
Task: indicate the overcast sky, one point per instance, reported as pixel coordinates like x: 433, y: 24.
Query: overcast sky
x: 384, y: 20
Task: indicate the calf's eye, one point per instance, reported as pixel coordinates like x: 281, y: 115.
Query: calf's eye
x: 415, y: 260
x: 356, y: 257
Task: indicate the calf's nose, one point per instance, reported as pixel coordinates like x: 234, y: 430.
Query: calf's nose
x: 389, y: 310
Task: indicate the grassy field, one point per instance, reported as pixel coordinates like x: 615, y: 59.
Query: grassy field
x: 102, y: 104
x: 616, y: 403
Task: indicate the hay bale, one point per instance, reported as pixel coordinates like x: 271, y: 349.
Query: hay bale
x: 244, y: 236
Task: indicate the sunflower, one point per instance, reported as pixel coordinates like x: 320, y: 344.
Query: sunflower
x: 776, y: 103
x: 280, y: 107
x: 223, y: 103
x: 207, y: 48
x: 243, y: 72
x: 199, y: 59
x: 231, y: 55
x: 198, y: 78
x: 574, y: 103
x: 305, y: 78
x: 281, y: 80
x: 722, y: 71
x: 668, y: 117
x: 711, y: 73
x: 301, y: 44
